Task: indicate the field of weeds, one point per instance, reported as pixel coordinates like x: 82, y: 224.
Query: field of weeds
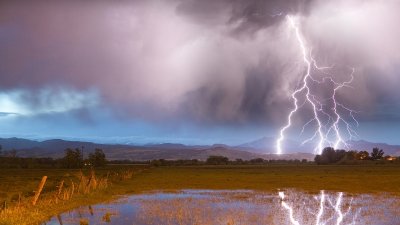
x: 356, y: 179
x: 24, y: 201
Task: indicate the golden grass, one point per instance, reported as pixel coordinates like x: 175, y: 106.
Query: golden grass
x: 309, y: 178
x: 79, y: 189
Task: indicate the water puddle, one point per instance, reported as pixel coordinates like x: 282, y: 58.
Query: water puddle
x: 239, y: 207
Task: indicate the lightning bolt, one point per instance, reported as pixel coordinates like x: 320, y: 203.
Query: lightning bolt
x: 338, y: 209
x: 333, y: 115
x: 321, y: 208
x: 287, y: 207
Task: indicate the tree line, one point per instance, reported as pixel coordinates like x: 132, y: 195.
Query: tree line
x: 331, y: 156
x: 222, y: 160
x: 73, y: 158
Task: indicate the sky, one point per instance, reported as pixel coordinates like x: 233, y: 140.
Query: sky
x: 190, y: 71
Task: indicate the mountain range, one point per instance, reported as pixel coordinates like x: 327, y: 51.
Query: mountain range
x: 266, y: 144
x: 261, y: 148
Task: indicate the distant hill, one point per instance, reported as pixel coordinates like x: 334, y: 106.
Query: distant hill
x: 267, y: 144
x: 55, y: 148
x: 262, y: 148
x: 365, y: 145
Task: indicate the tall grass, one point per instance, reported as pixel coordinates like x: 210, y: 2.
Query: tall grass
x: 69, y: 193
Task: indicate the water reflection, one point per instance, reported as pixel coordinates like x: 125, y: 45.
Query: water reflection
x: 331, y: 210
x: 239, y: 207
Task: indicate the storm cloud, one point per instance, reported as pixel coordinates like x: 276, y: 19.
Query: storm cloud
x: 212, y: 61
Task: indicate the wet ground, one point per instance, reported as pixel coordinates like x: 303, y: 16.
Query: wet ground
x: 239, y: 207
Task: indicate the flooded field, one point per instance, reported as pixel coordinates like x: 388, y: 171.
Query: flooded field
x: 239, y: 207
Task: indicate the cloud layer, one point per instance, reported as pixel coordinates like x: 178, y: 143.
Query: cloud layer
x: 214, y: 62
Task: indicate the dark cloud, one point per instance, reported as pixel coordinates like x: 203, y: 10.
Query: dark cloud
x: 212, y: 61
x: 244, y: 17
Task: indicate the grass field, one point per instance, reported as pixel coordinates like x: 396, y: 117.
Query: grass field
x: 310, y: 178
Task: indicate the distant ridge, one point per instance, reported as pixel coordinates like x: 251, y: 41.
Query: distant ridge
x: 54, y: 148
x: 261, y: 148
x: 267, y: 144
x: 365, y: 145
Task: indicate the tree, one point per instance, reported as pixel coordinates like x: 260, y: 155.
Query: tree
x: 330, y: 155
x: 377, y: 154
x: 351, y: 155
x: 98, y: 158
x: 340, y: 155
x: 362, y: 155
x: 72, y: 158
x: 217, y: 160
x: 318, y: 159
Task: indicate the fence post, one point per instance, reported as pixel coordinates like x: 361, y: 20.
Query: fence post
x: 39, y: 190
